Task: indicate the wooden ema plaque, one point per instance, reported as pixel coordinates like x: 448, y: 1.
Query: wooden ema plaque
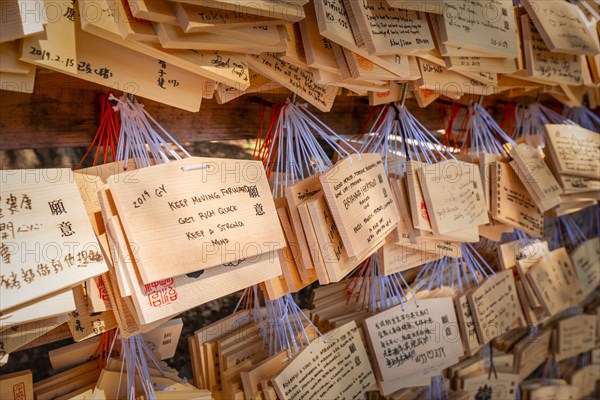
x: 414, y: 196
x: 317, y: 49
x: 18, y: 21
x: 296, y: 79
x: 536, y: 176
x: 554, y: 281
x: 289, y: 10
x: 9, y: 59
x: 470, y: 24
x: 313, y: 242
x: 530, y: 354
x: 173, y: 37
x: 563, y: 27
x: 17, y: 386
x: 576, y: 335
x: 469, y: 336
x: 454, y: 83
x: 402, y: 341
x: 501, y: 385
x: 224, y: 67
x: 329, y: 242
x: 297, y: 277
x: 495, y: 306
x: 53, y: 305
x: 90, y: 181
x: 454, y: 196
x: 84, y: 324
x: 574, y: 150
x: 387, y: 30
x: 334, y: 24
x: 156, y: 11
x: 586, y: 260
x: 209, y: 211
x: 47, y: 243
x: 296, y: 194
x: 427, y: 6
x: 204, y: 18
x: 333, y: 366
x: 54, y: 48
x: 511, y: 202
x: 83, y: 55
x: 545, y: 65
x: 404, y: 255
x: 167, y: 297
x: 13, y: 339
x: 361, y: 201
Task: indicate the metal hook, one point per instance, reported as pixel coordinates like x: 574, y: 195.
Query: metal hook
x: 402, y: 133
x: 404, y: 93
x: 492, y: 366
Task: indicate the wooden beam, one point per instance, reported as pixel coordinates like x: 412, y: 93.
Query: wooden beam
x: 63, y: 112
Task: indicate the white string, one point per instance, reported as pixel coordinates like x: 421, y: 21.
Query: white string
x: 141, y: 137
x: 530, y: 120
x: 484, y: 133
x: 299, y: 153
x: 585, y: 118
x: 397, y: 132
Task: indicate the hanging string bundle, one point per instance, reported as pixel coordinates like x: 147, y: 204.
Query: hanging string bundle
x: 585, y: 118
x: 484, y: 135
x: 143, y: 140
x: 457, y: 274
x: 398, y: 135
x: 292, y: 149
x: 563, y: 232
x: 107, y: 134
x: 373, y: 291
x: 530, y: 120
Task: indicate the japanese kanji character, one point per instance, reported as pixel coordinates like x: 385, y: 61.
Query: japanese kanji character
x: 57, y: 265
x: 5, y: 253
x: 253, y: 192
x: 11, y: 282
x: 43, y: 270
x: 25, y: 202
x: 66, y: 229
x: 103, y: 73
x: 11, y: 201
x: 28, y: 275
x: 258, y: 207
x: 69, y: 259
x: 70, y: 14
x: 57, y: 207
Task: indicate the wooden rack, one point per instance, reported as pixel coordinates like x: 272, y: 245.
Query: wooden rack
x: 63, y: 112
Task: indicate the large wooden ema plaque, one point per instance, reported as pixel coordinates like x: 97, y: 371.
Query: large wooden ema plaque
x: 47, y: 242
x: 195, y: 214
x: 361, y: 201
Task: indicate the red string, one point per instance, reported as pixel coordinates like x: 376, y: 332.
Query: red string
x: 449, y: 134
x: 508, y: 118
x: 468, y: 135
x: 102, y: 352
x: 107, y: 134
x: 365, y: 126
x: 265, y: 149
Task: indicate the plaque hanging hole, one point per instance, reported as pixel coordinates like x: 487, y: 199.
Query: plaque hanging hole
x: 194, y: 167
